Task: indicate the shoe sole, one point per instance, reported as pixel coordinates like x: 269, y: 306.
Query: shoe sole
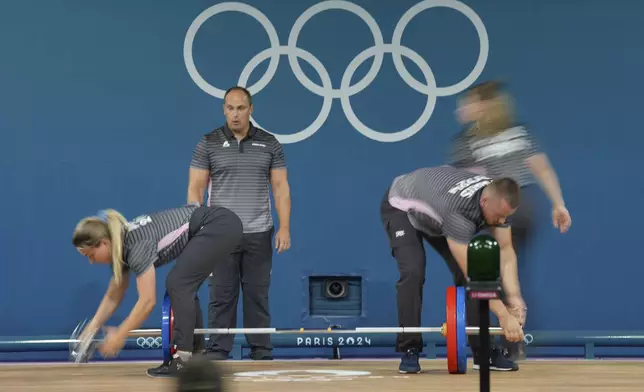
x: 160, y: 375
x: 408, y: 372
x: 477, y: 367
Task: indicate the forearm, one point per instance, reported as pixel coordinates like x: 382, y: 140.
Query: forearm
x: 111, y: 301
x: 549, y: 182
x: 137, y: 316
x: 510, y: 273
x: 499, y: 309
x: 462, y: 264
x: 195, y: 195
x: 283, y: 206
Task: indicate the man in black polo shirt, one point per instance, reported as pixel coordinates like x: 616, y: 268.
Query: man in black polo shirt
x: 236, y: 163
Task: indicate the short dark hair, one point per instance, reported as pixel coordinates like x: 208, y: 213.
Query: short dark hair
x: 200, y: 375
x: 508, y: 189
x: 242, y: 89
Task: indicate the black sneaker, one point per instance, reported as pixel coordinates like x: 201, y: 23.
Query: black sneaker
x: 498, y: 362
x: 261, y: 355
x: 217, y: 355
x: 409, y: 362
x: 167, y: 369
x: 161, y: 369
x: 514, y: 351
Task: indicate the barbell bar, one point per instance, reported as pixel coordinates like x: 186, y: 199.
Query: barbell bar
x: 550, y: 338
x: 151, y: 333
x: 454, y: 329
x: 82, y: 350
x: 277, y: 331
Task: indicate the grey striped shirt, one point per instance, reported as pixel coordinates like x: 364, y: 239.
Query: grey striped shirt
x: 441, y: 201
x: 156, y: 239
x: 501, y: 155
x: 240, y: 173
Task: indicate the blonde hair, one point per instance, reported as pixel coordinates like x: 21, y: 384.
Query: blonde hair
x: 499, y: 109
x: 90, y: 231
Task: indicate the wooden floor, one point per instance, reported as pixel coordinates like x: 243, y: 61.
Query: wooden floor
x: 344, y: 375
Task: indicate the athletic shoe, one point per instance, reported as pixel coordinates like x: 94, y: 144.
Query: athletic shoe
x: 498, y: 362
x: 261, y: 355
x: 514, y: 351
x: 167, y: 369
x: 409, y: 362
x: 161, y: 369
x: 217, y: 355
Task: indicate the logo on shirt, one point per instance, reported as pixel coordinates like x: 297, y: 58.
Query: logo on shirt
x: 139, y: 221
x: 259, y: 145
x: 400, y: 233
x: 226, y: 144
x: 469, y: 187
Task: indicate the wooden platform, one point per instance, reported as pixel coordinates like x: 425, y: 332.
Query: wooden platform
x: 345, y: 375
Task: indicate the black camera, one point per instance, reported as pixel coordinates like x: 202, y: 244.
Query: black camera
x: 336, y: 288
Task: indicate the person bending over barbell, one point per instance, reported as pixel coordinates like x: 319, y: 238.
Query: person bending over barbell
x: 197, y: 237
x: 446, y: 207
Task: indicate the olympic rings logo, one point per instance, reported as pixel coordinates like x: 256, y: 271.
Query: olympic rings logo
x: 346, y: 90
x: 149, y: 342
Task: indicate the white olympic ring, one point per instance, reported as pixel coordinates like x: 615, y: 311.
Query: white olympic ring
x: 346, y: 90
x: 149, y: 342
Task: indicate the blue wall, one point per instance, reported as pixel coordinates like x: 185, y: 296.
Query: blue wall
x: 97, y: 109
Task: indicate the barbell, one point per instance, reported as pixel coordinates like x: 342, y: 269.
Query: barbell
x: 455, y: 329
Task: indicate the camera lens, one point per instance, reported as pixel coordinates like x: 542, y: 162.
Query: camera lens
x: 336, y: 289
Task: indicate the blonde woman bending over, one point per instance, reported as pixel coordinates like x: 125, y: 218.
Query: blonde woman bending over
x: 197, y: 237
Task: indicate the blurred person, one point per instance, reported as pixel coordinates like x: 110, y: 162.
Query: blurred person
x: 493, y: 143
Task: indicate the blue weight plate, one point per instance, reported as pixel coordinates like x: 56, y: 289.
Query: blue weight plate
x: 461, y: 324
x: 166, y: 329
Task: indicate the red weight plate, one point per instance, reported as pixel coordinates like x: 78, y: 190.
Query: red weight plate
x: 452, y: 333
